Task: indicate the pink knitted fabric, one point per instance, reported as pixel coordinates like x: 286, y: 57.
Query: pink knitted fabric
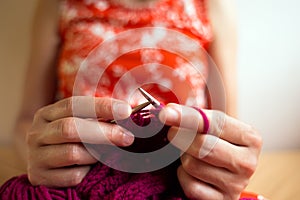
x: 101, y: 182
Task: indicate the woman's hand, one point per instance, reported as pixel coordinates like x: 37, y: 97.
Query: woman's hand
x: 217, y: 165
x: 56, y: 154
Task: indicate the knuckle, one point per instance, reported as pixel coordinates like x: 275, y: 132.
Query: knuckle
x: 113, y: 134
x: 193, y: 191
x: 69, y: 103
x: 236, y: 187
x: 33, y: 138
x: 39, y: 112
x: 218, y: 122
x: 187, y: 163
x: 106, y: 105
x: 256, y: 138
x: 34, y: 180
x: 252, y: 137
x: 73, y: 154
x: 76, y: 177
x: 67, y: 129
x: 30, y: 138
x: 34, y: 176
x: 38, y: 115
x: 232, y: 195
x: 248, y: 165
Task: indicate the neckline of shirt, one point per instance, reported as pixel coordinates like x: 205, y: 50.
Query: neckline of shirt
x: 150, y: 6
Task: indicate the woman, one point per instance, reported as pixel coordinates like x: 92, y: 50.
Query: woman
x: 55, y: 153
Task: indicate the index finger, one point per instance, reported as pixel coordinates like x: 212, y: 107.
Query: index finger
x: 220, y: 124
x: 86, y: 107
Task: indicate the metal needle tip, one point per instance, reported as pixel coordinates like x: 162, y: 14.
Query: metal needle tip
x: 150, y: 98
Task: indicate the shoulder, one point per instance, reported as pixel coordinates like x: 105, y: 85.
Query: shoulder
x: 47, y: 8
x: 222, y: 14
x: 46, y: 17
x: 50, y: 4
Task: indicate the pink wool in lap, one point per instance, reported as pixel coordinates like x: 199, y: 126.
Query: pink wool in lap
x: 104, y: 183
x: 101, y: 182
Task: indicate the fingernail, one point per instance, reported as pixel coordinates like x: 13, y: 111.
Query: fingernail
x: 128, y: 138
x: 121, y: 110
x: 169, y: 114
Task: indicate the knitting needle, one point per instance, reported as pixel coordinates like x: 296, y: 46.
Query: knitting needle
x: 150, y: 98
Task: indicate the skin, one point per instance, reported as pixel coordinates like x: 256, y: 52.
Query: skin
x: 54, y: 152
x: 217, y: 165
x: 55, y: 139
x: 135, y: 3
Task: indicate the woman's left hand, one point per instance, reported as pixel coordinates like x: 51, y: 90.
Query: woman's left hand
x: 216, y: 165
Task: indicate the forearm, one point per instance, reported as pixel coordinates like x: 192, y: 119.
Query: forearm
x: 223, y: 51
x: 40, y: 78
x: 222, y: 91
x: 23, y: 124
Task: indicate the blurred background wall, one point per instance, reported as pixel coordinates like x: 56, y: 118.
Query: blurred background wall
x: 15, y: 22
x: 268, y: 64
x: 269, y: 69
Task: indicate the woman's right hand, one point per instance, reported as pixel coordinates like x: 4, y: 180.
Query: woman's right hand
x: 56, y: 154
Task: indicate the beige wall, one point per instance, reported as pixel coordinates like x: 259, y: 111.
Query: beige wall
x: 15, y: 19
x: 269, y: 70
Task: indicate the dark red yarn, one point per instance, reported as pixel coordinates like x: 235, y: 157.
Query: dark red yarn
x: 103, y: 182
x: 146, y: 123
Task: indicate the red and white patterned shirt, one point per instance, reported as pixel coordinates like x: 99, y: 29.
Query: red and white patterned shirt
x: 147, y: 58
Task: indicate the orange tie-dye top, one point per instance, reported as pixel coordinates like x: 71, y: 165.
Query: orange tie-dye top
x: 109, y: 50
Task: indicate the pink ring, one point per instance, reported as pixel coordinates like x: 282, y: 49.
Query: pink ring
x: 205, y: 120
